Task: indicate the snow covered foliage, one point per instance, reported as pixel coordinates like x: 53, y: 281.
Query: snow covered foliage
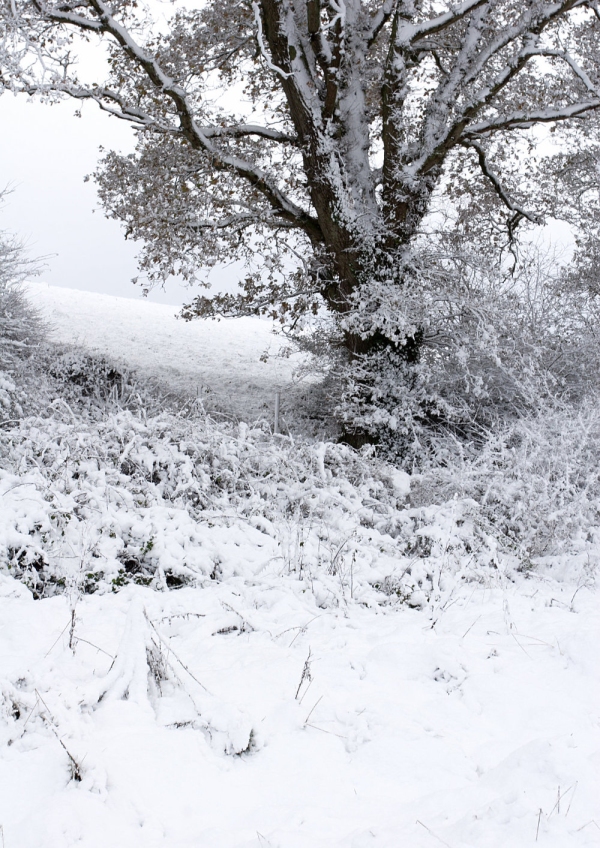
x: 21, y: 328
x: 94, y: 503
x: 535, y: 481
x: 496, y: 342
x: 315, y: 142
x: 216, y: 636
x: 168, y: 501
x: 133, y: 485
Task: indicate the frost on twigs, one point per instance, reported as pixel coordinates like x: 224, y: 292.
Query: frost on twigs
x: 468, y: 346
x: 22, y: 329
x: 172, y: 501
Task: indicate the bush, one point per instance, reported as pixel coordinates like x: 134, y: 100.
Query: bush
x: 21, y: 326
x: 493, y: 347
x: 536, y: 481
x: 94, y: 376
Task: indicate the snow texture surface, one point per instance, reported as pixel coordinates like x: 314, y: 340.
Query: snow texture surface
x: 220, y: 361
x: 296, y: 693
x: 473, y: 725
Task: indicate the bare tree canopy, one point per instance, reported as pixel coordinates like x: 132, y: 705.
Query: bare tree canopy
x: 315, y: 138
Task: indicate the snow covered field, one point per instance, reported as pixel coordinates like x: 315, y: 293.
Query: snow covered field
x: 477, y: 730
x: 338, y: 669
x: 218, y: 361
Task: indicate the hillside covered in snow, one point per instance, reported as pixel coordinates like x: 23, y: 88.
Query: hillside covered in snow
x: 221, y: 362
x: 211, y: 635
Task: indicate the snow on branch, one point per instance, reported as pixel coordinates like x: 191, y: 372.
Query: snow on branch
x: 121, y: 109
x: 379, y: 20
x: 242, y: 130
x: 141, y: 118
x: 524, y: 120
x: 66, y: 16
x: 493, y: 178
x: 263, y: 51
x: 195, y: 134
x: 575, y: 67
x: 408, y: 33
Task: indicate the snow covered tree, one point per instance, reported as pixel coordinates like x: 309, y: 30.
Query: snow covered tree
x: 318, y: 140
x: 21, y: 327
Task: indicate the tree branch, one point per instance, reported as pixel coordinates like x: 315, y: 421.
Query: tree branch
x: 577, y: 70
x: 261, y: 44
x: 408, y: 33
x: 530, y: 27
x: 141, y: 118
x: 498, y: 187
x: 242, y: 130
x: 238, y: 221
x: 67, y: 17
x: 379, y: 20
x: 524, y: 120
x: 195, y: 134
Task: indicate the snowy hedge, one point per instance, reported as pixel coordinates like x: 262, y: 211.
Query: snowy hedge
x: 170, y: 501
x: 95, y: 503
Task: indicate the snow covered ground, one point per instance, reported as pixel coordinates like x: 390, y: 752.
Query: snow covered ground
x: 220, y: 361
x: 476, y: 725
x: 340, y: 669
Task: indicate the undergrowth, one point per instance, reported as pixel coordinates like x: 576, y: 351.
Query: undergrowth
x: 93, y: 502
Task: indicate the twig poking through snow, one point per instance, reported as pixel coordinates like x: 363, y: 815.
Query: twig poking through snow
x: 471, y: 627
x: 433, y: 834
x: 313, y: 709
x: 306, y: 675
x: 57, y: 638
x: 572, y: 796
x: 172, y: 652
x: 75, y: 767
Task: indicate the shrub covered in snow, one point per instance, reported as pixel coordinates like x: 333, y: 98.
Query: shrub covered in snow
x: 536, y: 480
x: 21, y: 327
x: 172, y: 500
x: 97, y: 502
x: 492, y: 344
